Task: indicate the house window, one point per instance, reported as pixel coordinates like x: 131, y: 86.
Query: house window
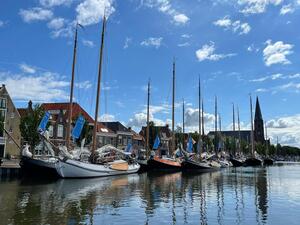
x: 2, y: 113
x: 50, y: 131
x: 124, y: 141
x: 3, y: 103
x: 120, y: 140
x: 60, y: 131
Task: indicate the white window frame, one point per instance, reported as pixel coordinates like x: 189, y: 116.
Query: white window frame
x: 60, y: 131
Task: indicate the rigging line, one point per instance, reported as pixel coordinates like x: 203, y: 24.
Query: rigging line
x: 105, y: 72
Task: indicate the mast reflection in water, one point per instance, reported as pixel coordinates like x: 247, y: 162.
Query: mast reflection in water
x: 234, y: 196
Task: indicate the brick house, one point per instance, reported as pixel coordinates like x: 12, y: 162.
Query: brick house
x: 123, y: 134
x: 11, y: 118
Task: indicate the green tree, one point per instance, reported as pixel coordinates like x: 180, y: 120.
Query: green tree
x: 29, y: 125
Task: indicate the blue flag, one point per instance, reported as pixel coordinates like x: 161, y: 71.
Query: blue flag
x: 43, y: 124
x: 156, y: 143
x: 128, y: 148
x: 190, y: 145
x: 78, y: 127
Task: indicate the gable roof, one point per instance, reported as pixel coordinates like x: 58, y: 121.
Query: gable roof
x: 3, y: 92
x: 77, y: 109
x: 116, y: 126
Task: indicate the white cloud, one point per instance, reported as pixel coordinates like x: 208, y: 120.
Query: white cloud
x: 252, y: 48
x: 286, y: 128
x: 56, y: 23
x: 1, y: 23
x: 152, y: 41
x: 165, y: 7
x: 42, y: 87
x: 140, y: 119
x: 271, y: 77
x: 66, y: 31
x: 27, y: 69
x: 186, y: 35
x: 35, y: 14
x: 234, y: 26
x: 181, y: 18
x: 107, y: 118
x: 256, y: 6
x: 127, y: 42
x: 52, y: 3
x: 184, y: 44
x: 207, y: 53
x: 92, y: 11
x: 88, y: 43
x: 276, y: 53
x: 84, y: 85
x: 192, y: 120
x: 286, y: 9
x: 259, y: 90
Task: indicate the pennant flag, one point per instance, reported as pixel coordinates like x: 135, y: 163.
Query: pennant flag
x: 128, y: 148
x: 190, y: 145
x: 156, y: 143
x: 78, y: 127
x: 43, y: 124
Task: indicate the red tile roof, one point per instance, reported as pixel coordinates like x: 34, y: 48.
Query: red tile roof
x: 77, y: 109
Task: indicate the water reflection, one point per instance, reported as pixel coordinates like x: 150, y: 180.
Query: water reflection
x: 233, y: 196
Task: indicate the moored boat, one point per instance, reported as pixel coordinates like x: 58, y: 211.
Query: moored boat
x: 268, y: 161
x: 39, y: 166
x: 168, y: 164
x: 193, y: 166
x: 253, y: 161
x: 70, y: 168
x: 237, y: 162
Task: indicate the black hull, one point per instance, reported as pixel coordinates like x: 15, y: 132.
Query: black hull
x: 253, y: 162
x: 268, y: 162
x: 143, y: 166
x: 236, y: 162
x: 192, y: 166
x: 32, y: 168
x: 154, y: 165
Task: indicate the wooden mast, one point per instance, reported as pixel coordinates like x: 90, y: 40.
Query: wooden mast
x: 239, y: 128
x: 220, y: 131
x: 199, y: 108
x: 233, y: 129
x: 202, y: 112
x: 183, y: 128
x: 68, y: 135
x: 267, y: 142
x: 148, y: 118
x: 252, y: 134
x: 216, y: 126
x: 173, y: 111
x: 98, y: 86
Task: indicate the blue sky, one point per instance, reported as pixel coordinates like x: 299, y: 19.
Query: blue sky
x: 237, y: 47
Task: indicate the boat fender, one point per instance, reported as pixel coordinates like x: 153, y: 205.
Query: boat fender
x: 26, y: 152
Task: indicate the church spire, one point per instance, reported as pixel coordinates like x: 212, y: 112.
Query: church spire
x: 258, y: 115
x: 258, y: 124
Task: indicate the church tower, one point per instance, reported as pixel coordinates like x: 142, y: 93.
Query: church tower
x: 258, y: 124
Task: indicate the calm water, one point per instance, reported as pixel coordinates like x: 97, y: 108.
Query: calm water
x: 233, y: 196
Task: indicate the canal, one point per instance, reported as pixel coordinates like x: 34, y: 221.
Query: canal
x: 268, y: 195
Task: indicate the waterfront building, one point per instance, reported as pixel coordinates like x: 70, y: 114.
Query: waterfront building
x: 10, y: 117
x: 246, y: 134
x: 124, y: 135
